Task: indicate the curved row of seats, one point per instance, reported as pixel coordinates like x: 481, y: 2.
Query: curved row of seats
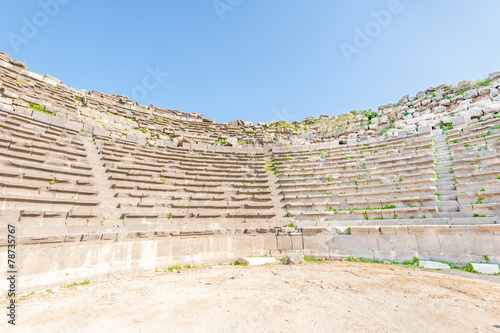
x: 476, y: 156
x: 390, y: 179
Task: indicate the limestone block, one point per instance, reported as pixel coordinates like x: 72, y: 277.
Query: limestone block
x: 74, y: 125
x: 460, y: 121
x: 494, y: 92
x: 486, y: 268
x: 445, y: 102
x: 475, y: 112
x: 284, y: 242
x: 294, y: 258
x: 25, y: 111
x: 433, y: 265
x: 53, y: 120
x: 487, y: 116
x: 492, y: 108
x: 252, y: 261
x: 424, y: 129
x: 131, y: 138
x: 470, y: 94
x: 352, y: 142
x: 402, y: 134
x: 494, y: 76
x: 484, y: 91
x: 39, y: 116
x: 439, y: 109
x: 51, y: 80
x: 97, y: 131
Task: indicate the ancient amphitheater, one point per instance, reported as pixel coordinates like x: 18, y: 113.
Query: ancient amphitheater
x: 98, y: 184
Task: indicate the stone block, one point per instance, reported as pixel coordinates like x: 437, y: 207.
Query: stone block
x: 424, y: 129
x: 74, y: 126
x: 439, y: 109
x: 252, y: 261
x: 402, y: 134
x: 141, y: 141
x: 433, y: 265
x: 470, y: 94
x: 352, y: 142
x: 25, y: 111
x: 486, y: 268
x: 475, y: 112
x: 460, y: 121
x: 40, y: 116
x: 294, y: 258
x: 53, y: 120
x: 97, y: 131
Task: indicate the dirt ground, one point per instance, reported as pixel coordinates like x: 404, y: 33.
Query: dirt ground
x: 310, y: 297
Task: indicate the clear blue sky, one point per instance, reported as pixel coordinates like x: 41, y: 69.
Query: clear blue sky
x: 264, y: 59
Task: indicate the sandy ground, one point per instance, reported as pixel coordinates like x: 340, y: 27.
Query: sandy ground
x: 310, y: 297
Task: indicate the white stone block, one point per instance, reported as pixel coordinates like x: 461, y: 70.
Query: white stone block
x: 251, y: 261
x: 433, y: 265
x: 486, y: 268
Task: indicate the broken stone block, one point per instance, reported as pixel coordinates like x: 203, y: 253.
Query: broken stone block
x: 294, y: 258
x: 251, y: 261
x: 439, y: 109
x: 470, y: 94
x: 433, y: 265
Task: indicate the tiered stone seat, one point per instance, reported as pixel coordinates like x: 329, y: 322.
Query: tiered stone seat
x: 173, y: 185
x: 477, y: 167
x: 45, y: 178
x: 382, y: 180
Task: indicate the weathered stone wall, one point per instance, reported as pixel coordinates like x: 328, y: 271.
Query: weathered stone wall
x: 457, y: 244
x: 45, y: 262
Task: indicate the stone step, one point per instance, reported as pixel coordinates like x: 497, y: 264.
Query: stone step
x: 452, y: 214
x: 445, y: 182
x: 448, y: 197
x: 447, y: 203
x: 445, y: 175
x: 448, y: 209
x: 447, y: 193
x: 447, y: 187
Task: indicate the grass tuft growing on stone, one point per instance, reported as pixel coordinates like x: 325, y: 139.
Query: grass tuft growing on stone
x: 309, y: 259
x: 40, y: 108
x: 77, y: 284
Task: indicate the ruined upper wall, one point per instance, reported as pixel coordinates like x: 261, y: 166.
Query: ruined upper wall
x: 118, y: 116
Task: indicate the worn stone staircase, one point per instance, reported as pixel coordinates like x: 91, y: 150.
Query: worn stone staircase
x: 446, y: 190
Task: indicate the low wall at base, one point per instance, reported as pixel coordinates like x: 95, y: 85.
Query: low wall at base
x: 42, y: 265
x: 456, y: 244
x: 45, y: 262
